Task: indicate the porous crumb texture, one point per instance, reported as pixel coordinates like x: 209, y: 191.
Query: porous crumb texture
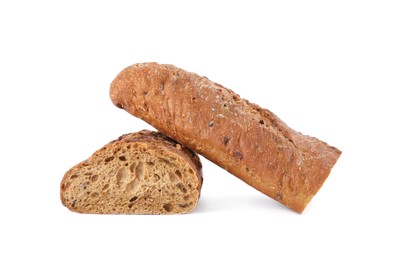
x: 141, y: 173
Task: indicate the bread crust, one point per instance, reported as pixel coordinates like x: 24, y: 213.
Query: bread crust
x: 248, y: 141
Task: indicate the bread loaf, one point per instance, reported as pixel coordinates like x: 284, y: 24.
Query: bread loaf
x: 248, y: 141
x: 140, y: 173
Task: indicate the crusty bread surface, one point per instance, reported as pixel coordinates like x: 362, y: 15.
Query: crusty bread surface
x: 139, y: 173
x: 248, y: 141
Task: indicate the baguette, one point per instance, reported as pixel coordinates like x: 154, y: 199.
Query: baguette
x: 248, y: 141
x: 140, y: 173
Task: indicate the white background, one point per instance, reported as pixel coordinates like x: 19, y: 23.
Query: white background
x: 327, y: 68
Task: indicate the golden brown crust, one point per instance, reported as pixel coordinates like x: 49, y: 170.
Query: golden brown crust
x: 245, y: 139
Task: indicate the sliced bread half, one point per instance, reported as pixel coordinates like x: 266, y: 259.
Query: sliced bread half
x: 139, y: 173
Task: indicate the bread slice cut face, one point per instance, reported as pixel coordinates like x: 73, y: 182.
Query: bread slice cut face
x: 139, y: 173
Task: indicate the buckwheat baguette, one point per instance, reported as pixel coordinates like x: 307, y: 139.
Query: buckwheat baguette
x: 140, y: 173
x: 248, y: 141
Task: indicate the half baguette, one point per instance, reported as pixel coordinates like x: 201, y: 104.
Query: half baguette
x: 247, y: 140
x: 139, y: 173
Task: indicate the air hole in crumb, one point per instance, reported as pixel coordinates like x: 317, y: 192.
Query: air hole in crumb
x: 121, y: 175
x: 128, y: 146
x: 187, y: 197
x: 133, y: 199
x: 132, y: 185
x: 172, y: 177
x: 94, y: 194
x: 109, y: 159
x: 139, y: 170
x: 132, y: 167
x: 179, y: 174
x: 105, y: 187
x: 74, y: 176
x: 168, y: 207
x: 94, y: 178
x: 150, y: 163
x: 261, y: 122
x: 224, y: 105
x: 183, y: 205
x: 181, y: 187
x: 122, y: 158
